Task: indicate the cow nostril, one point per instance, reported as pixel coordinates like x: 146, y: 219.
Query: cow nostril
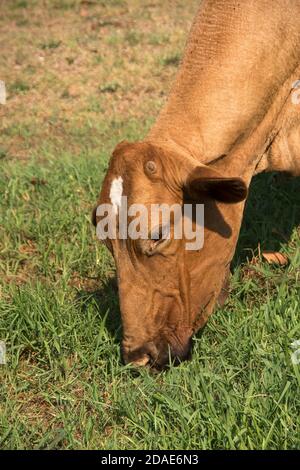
x: 158, y: 357
x: 141, y: 362
x: 141, y: 356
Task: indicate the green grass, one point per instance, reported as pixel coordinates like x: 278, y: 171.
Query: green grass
x: 19, y: 87
x: 172, y: 59
x: 52, y: 44
x: 64, y: 385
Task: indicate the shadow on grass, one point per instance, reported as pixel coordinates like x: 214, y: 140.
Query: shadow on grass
x: 107, y: 302
x: 272, y: 212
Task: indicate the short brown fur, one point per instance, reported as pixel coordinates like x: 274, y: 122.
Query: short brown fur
x: 229, y: 116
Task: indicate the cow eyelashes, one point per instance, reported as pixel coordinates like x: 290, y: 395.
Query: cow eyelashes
x: 157, y: 240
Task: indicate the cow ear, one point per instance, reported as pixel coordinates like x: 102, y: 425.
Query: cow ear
x: 204, y: 181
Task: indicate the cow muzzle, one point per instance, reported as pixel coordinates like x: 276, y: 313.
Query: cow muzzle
x: 157, y: 355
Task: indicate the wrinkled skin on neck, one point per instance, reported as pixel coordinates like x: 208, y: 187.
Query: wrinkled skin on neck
x: 168, y: 295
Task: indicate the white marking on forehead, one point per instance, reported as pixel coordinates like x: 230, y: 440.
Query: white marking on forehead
x: 116, y: 191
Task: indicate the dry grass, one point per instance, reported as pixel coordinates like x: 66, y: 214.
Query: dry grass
x: 74, y: 70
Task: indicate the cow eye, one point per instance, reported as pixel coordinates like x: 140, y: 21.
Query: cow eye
x: 150, y: 167
x: 158, y: 239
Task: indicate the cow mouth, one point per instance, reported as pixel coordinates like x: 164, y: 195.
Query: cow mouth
x: 159, y: 357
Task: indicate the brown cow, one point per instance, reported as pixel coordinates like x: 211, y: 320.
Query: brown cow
x: 233, y: 112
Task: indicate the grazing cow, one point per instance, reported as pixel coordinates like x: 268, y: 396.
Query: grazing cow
x: 232, y: 112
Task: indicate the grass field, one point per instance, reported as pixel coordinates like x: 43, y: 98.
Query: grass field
x: 80, y: 77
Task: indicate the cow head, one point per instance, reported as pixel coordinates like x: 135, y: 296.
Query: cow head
x: 166, y: 291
